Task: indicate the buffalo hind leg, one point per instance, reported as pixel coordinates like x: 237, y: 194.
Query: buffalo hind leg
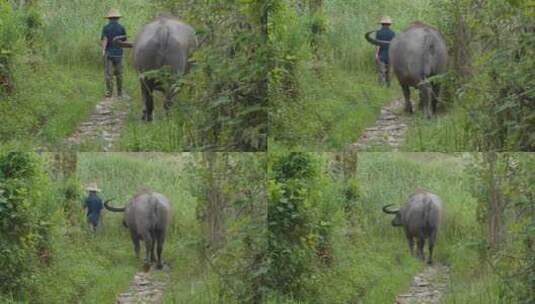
x: 407, y: 96
x: 135, y: 240
x: 159, y: 250
x: 426, y: 96
x: 431, y: 245
x: 410, y: 240
x: 435, y: 93
x: 149, y: 244
x: 152, y: 255
x: 148, y: 102
x: 420, y: 251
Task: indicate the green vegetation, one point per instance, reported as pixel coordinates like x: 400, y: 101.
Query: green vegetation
x: 341, y: 248
x: 488, y: 96
x: 51, y: 75
x: 54, y: 258
x: 323, y: 91
x: 323, y: 86
x: 26, y: 221
x: 56, y: 85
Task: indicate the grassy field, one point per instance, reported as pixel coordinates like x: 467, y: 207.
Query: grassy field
x: 370, y: 259
x: 95, y: 268
x: 58, y: 85
x: 337, y: 94
x: 390, y: 178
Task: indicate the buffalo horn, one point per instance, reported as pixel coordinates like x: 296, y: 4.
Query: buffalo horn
x: 375, y: 41
x: 113, y: 209
x: 386, y: 210
x: 122, y: 43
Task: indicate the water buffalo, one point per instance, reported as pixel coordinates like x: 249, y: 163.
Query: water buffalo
x: 420, y: 217
x: 147, y: 215
x: 416, y: 54
x: 165, y: 42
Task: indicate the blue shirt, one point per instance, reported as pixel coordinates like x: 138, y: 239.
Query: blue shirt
x: 110, y: 31
x: 384, y: 34
x: 93, y: 203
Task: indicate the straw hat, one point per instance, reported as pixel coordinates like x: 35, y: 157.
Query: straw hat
x: 385, y: 20
x: 113, y: 13
x: 92, y: 187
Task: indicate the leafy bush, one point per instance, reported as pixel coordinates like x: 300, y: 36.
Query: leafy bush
x: 491, y: 46
x: 10, y: 36
x: 25, y: 221
x: 289, y: 224
x: 226, y: 89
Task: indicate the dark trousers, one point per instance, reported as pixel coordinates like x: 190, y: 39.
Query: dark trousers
x: 113, y: 66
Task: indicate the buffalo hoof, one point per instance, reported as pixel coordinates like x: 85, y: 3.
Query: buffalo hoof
x: 146, y: 117
x: 159, y: 266
x: 429, y: 262
x: 146, y: 267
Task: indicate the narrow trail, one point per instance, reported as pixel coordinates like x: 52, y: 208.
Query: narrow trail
x: 103, y: 125
x: 388, y: 131
x: 146, y: 288
x: 427, y: 287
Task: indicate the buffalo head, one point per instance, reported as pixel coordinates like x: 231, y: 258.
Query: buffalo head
x: 396, y: 221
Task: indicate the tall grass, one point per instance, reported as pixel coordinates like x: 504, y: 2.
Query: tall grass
x: 337, y: 94
x: 447, y: 132
x: 59, y: 82
x: 96, y: 268
x: 371, y: 262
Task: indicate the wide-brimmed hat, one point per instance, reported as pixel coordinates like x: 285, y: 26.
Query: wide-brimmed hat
x: 113, y: 13
x: 385, y: 20
x: 92, y: 187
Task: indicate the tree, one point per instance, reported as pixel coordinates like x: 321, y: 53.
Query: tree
x: 211, y: 209
x: 496, y: 205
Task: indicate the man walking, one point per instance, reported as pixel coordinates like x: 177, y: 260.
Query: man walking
x: 381, y: 54
x: 113, y: 53
x: 93, y: 204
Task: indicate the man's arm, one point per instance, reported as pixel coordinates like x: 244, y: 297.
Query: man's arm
x: 104, y: 43
x: 104, y: 40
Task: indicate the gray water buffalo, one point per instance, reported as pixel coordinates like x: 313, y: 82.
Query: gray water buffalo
x: 416, y: 54
x: 420, y: 217
x: 165, y: 42
x: 147, y: 215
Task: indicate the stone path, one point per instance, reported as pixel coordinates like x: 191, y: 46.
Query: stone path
x: 427, y: 287
x: 103, y: 125
x: 145, y: 289
x: 388, y: 131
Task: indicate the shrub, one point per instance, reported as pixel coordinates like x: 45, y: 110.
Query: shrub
x: 25, y: 220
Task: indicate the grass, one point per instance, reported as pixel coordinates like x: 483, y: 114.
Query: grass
x: 448, y: 131
x: 50, y: 102
x: 373, y: 265
x: 338, y: 95
x: 330, y: 113
x: 96, y: 268
x: 58, y: 86
x: 164, y: 133
x: 390, y: 178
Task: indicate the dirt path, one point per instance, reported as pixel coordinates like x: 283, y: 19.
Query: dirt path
x: 388, y: 131
x: 103, y: 125
x: 146, y: 288
x: 427, y: 287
